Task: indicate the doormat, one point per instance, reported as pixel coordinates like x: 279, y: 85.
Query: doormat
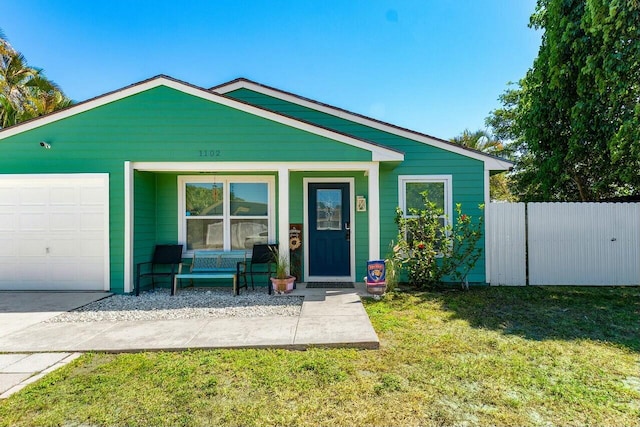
x: 330, y: 285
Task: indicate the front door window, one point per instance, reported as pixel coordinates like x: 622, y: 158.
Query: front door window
x: 329, y: 209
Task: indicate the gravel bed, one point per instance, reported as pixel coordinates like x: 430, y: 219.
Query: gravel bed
x: 187, y: 304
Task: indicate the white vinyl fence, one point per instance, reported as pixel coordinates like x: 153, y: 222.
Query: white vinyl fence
x: 564, y: 243
x: 506, y: 235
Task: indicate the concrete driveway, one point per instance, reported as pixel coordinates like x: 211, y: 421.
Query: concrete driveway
x: 19, y: 310
x: 22, y: 310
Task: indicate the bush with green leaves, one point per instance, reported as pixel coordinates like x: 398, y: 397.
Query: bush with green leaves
x: 430, y: 249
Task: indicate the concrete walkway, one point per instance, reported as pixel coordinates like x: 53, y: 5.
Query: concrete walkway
x: 17, y: 370
x: 328, y: 318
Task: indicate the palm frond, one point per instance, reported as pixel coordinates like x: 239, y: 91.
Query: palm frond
x: 25, y: 92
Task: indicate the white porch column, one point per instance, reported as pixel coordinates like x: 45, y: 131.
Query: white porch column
x: 283, y: 211
x: 374, y: 210
x: 128, y: 227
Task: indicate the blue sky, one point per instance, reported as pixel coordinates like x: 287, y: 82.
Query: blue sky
x: 435, y: 66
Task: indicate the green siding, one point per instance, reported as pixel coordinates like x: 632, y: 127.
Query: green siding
x: 166, y: 125
x: 167, y: 208
x: 160, y: 124
x: 420, y: 159
x: 144, y: 217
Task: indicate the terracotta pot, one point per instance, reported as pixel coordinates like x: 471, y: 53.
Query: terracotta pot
x: 377, y: 288
x: 283, y: 285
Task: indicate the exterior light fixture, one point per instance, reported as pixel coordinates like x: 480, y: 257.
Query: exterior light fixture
x: 44, y: 144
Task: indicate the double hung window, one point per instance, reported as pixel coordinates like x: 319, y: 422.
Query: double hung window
x: 226, y: 212
x: 438, y: 188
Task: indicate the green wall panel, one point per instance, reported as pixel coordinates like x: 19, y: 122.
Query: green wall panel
x: 144, y: 217
x: 165, y: 125
x: 420, y: 159
x: 167, y: 208
x: 161, y: 124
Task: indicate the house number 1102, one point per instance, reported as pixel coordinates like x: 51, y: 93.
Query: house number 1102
x: 209, y: 153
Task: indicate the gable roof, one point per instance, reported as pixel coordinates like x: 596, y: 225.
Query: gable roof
x: 491, y: 162
x: 378, y: 152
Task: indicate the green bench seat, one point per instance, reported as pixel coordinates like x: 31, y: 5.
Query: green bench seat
x: 214, y: 265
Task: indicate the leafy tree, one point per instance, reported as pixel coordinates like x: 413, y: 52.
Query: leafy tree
x: 25, y: 92
x: 574, y: 119
x: 482, y: 140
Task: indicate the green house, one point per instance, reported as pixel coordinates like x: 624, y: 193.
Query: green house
x: 87, y: 192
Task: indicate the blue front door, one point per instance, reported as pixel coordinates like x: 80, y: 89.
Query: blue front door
x: 329, y: 230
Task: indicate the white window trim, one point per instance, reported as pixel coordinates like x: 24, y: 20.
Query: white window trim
x: 226, y: 179
x: 448, y: 191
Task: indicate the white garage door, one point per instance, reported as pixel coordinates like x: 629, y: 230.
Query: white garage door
x: 54, y: 232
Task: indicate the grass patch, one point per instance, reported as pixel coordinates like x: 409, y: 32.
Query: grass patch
x: 490, y: 356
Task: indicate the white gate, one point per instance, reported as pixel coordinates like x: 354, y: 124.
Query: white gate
x: 566, y: 243
x: 506, y: 234
x: 584, y: 243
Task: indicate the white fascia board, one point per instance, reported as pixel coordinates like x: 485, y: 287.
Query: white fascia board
x: 378, y: 153
x: 249, y: 166
x: 494, y: 164
x: 491, y: 163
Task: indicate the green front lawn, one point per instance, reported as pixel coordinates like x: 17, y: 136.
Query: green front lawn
x: 490, y: 356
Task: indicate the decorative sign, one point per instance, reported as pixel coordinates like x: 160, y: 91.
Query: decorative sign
x: 295, y: 249
x: 376, y: 272
x: 361, y: 204
x: 295, y: 237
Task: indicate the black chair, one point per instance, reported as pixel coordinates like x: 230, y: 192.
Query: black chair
x: 164, y: 263
x: 260, y: 264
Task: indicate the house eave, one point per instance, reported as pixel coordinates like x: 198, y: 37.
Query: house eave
x: 378, y: 153
x: 490, y: 162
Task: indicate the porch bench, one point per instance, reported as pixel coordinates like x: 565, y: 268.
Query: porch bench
x: 213, y: 265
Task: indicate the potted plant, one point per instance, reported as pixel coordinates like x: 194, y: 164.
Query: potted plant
x: 282, y: 282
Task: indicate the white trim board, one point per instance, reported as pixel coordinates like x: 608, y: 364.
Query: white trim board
x: 491, y: 163
x: 378, y: 153
x: 129, y: 204
x: 251, y: 166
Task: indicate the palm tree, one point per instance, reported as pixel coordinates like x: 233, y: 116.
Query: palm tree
x: 24, y: 91
x: 482, y: 140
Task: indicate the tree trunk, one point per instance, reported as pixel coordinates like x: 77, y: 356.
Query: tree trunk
x: 584, y: 196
